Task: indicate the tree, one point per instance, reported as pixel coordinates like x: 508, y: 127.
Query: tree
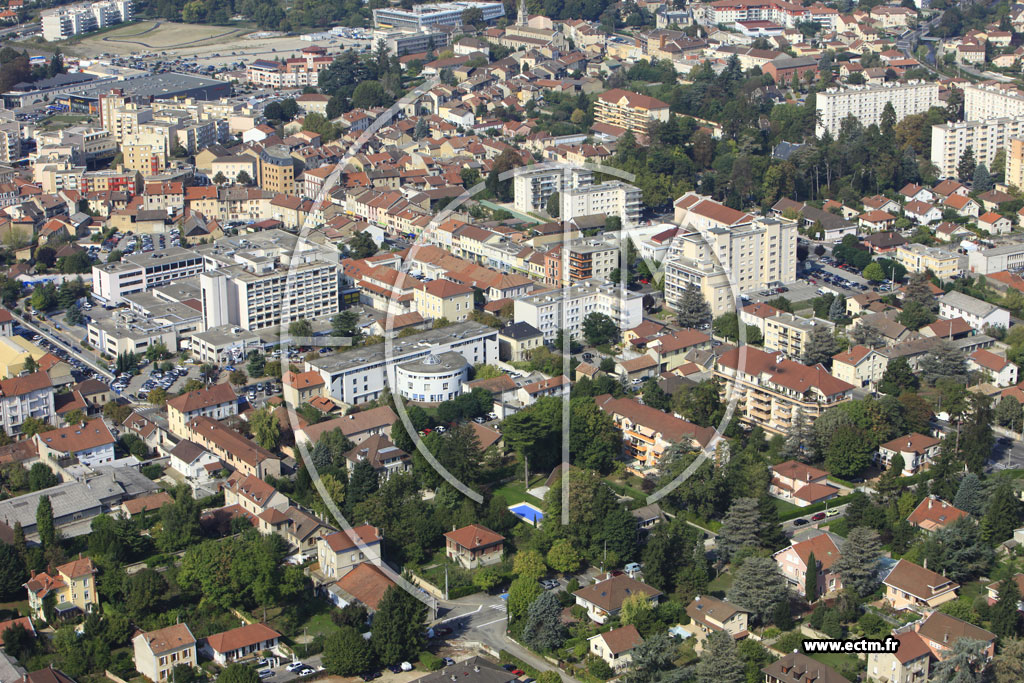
x: 44, y: 523
x: 720, y: 662
x: 563, y: 557
x: 965, y: 169
x: 964, y: 663
x: 915, y: 315
x: 554, y: 205
x: 1009, y: 663
x: 179, y: 522
x: 944, y: 361
x: 821, y: 346
x: 1004, y: 615
x: 856, y: 565
x: 13, y: 573
x: 157, y: 396
x: 346, y: 652
x: 41, y: 477
x: 529, y: 564
x: 237, y: 672
x: 837, y: 309
x: 655, y: 397
x: 919, y: 289
x: 1009, y: 413
x: 599, y: 329
x: 34, y: 425
x: 363, y: 483
x: 142, y: 591
x: 1002, y: 514
x: 398, y: 626
x: 898, y: 377
x: 266, y: 430
x: 694, y: 311
x: 243, y: 178
x: 521, y: 594
x: 544, y: 630
x: 300, y: 328
x: 238, y: 377
x: 219, y: 178
x: 362, y: 245
x: 811, y: 581
x: 758, y: 586
x: 740, y: 528
x: 982, y: 179
x: 970, y: 496
x: 873, y: 272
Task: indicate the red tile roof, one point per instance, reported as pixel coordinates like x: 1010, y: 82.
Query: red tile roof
x: 364, y: 534
x: 367, y: 583
x: 203, y: 398
x: 474, y: 536
x: 933, y: 513
x: 243, y: 636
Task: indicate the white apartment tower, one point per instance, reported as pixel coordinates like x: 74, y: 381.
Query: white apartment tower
x: 534, y: 187
x: 614, y: 198
x: 567, y: 308
x: 866, y: 102
x: 984, y: 137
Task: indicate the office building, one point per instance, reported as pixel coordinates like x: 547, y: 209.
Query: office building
x: 267, y: 279
x: 135, y: 273
x: 534, y: 186
x: 433, y: 379
x: 625, y: 109
x: 566, y: 308
x: 984, y: 137
x: 360, y: 375
x: 401, y: 43
x: 74, y: 20
x: 420, y: 17
x: 992, y: 101
x: 866, y: 103
x: 276, y: 170
x: 613, y: 198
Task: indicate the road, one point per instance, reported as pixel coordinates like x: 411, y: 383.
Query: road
x: 57, y: 340
x: 790, y: 528
x: 1007, y: 454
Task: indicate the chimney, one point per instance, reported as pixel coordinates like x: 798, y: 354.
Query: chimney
x: 930, y: 501
x: 661, y: 41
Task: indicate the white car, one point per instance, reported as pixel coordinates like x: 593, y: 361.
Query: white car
x: 295, y: 666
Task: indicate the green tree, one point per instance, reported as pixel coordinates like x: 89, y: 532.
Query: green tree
x: 720, y: 662
x: 740, y: 528
x: 873, y: 272
x: 898, y: 377
x: 757, y: 586
x: 521, y: 594
x: 563, y: 557
x: 179, y: 522
x: 982, y: 179
x: 965, y: 168
x: 554, y: 204
x: 966, y: 662
x: 529, y: 564
x: 599, y: 329
x: 266, y: 430
x: 34, y: 425
x: 543, y: 629
x: 821, y: 346
x: 44, y: 523
x: 1002, y: 514
x: 1004, y: 615
x: 300, y: 328
x: 694, y: 311
x: 346, y: 652
x: 655, y: 397
x: 13, y: 573
x: 362, y: 245
x: 41, y: 477
x: 811, y: 581
x: 398, y: 626
x: 237, y: 672
x: 859, y: 559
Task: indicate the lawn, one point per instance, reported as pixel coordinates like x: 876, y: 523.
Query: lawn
x: 784, y: 506
x: 720, y: 584
x: 839, y: 661
x: 515, y: 492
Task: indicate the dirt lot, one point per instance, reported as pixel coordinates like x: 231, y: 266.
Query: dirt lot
x: 198, y: 42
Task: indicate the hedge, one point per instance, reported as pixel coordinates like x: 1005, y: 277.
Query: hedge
x: 506, y: 657
x: 811, y: 509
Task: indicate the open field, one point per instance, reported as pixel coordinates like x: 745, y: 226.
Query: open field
x: 199, y: 42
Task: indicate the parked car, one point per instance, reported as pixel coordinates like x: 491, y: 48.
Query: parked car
x: 295, y: 666
x: 818, y: 517
x: 799, y: 522
x: 549, y: 584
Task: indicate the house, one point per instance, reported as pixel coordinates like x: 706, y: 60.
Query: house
x: 964, y: 206
x: 1002, y: 372
x: 648, y: 433
x: 956, y: 328
x: 385, y: 457
x: 911, y: 586
x: 922, y: 212
x: 793, y: 561
x: 357, y: 427
x: 216, y: 402
x: 949, y: 187
x: 365, y: 585
x: 876, y: 220
x: 196, y: 464
x: 89, y: 444
x: 156, y: 653
x: 476, y: 669
x: 517, y: 340
x: 800, y: 484
x: 710, y: 614
x: 340, y: 552
x: 73, y: 588
x: 992, y: 589
x: 144, y: 504
x: 994, y: 223
x: 917, y: 451
x: 914, y: 192
x: 239, y: 643
x: 252, y: 494
x: 474, y: 546
x: 858, y: 365
x: 603, y: 599
x: 796, y: 667
x: 933, y: 513
x: 301, y: 387
x: 909, y: 663
x: 47, y: 675
x: 941, y: 631
x: 24, y: 622
x: 976, y: 312
x: 616, y: 646
x: 301, y: 531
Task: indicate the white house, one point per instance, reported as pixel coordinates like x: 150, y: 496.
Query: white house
x: 89, y: 443
x: 922, y: 212
x: 995, y: 223
x: 603, y: 599
x: 239, y: 643
x: 616, y: 647
x: 976, y: 312
x: 193, y: 462
x: 1002, y: 371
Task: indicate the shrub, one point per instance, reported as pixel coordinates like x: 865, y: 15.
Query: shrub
x: 430, y: 661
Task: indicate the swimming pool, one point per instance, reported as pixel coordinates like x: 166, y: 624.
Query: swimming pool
x: 528, y: 513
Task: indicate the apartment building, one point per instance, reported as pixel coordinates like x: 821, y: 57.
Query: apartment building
x: 74, y: 20
x: 401, y: 43
x: 216, y: 402
x: 267, y: 279
x: 156, y: 653
x: 588, y: 259
x: 88, y: 443
x: 1014, y: 174
x: 770, y: 390
x: 625, y: 109
x: 984, y: 137
x: 917, y: 258
x: 790, y: 334
x: 866, y: 102
x: 992, y: 101
x: 360, y: 375
x: 567, y: 308
x: 23, y: 397
x: 10, y: 142
x: 140, y: 272
x: 445, y: 299
x: 978, y: 313
x: 613, y: 198
x: 275, y: 169
x: 294, y: 72
x: 533, y: 187
x: 787, y: 14
x: 72, y: 587
x: 648, y: 433
x: 422, y: 17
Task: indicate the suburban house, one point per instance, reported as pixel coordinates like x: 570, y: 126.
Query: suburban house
x: 357, y: 427
x: 908, y: 664
x: 301, y: 387
x: 1002, y: 372
x: 89, y: 444
x: 73, y: 588
x: 216, y: 402
x: 710, y: 614
x: 917, y: 451
x: 385, y: 457
x: 995, y: 223
x: 933, y: 513
x: 940, y: 631
x: 615, y: 647
x: 976, y: 312
x: 911, y: 586
x: 993, y: 588
x: 338, y: 553
x: 238, y: 643
x: 793, y: 563
x: 474, y: 546
x: 196, y: 464
x: 156, y: 653
x: 796, y: 667
x: 252, y: 494
x: 603, y: 599
x: 801, y: 484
